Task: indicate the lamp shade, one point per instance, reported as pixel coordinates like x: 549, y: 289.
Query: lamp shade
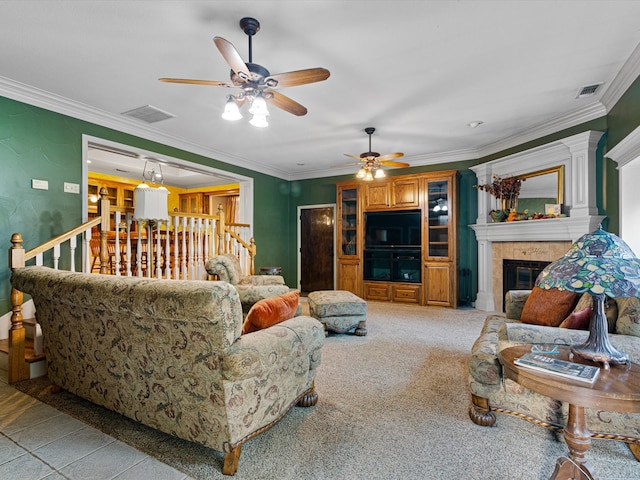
x: 151, y: 203
x: 599, y: 263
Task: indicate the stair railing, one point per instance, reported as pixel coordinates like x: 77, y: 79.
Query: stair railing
x: 175, y: 249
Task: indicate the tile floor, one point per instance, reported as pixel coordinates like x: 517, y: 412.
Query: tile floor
x: 39, y: 442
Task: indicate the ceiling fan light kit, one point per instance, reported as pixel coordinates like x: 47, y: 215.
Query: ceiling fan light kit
x: 371, y: 163
x: 256, y: 82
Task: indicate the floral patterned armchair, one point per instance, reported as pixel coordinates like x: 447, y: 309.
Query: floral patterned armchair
x: 251, y: 288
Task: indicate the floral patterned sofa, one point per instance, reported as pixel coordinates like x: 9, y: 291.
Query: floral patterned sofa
x: 251, y: 288
x: 170, y: 354
x: 491, y: 392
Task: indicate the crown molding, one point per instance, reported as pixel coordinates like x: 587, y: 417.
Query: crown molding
x: 627, y: 149
x: 571, y: 119
x: 55, y: 103
x: 623, y: 80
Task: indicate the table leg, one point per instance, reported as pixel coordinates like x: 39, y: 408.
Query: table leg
x: 578, y: 440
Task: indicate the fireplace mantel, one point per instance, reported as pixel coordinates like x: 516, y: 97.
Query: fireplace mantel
x: 544, y: 230
x: 578, y: 156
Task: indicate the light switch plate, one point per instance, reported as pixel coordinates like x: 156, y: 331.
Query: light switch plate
x: 40, y: 184
x: 71, y: 187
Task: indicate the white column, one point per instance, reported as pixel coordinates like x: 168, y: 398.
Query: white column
x: 583, y: 173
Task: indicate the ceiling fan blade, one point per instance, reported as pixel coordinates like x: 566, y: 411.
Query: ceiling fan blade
x: 232, y: 57
x: 285, y: 103
x: 353, y: 156
x: 390, y: 156
x: 196, y: 82
x: 299, y: 77
x: 387, y: 163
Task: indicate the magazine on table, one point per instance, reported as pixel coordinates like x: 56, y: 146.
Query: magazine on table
x: 563, y: 368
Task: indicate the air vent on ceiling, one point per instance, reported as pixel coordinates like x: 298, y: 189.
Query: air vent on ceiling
x: 149, y: 114
x: 588, y: 91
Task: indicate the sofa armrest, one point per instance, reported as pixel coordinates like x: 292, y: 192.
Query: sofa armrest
x: 484, y: 366
x: 292, y: 344
x: 262, y: 280
x: 514, y: 303
x: 517, y: 333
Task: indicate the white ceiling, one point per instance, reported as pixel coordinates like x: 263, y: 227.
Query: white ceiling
x: 418, y: 71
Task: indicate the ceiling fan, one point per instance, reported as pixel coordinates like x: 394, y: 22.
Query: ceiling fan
x: 371, y: 163
x: 257, y: 85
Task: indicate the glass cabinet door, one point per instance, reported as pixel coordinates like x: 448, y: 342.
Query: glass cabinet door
x: 438, y: 219
x: 349, y: 221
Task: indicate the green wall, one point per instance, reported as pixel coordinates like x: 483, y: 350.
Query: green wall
x: 37, y: 143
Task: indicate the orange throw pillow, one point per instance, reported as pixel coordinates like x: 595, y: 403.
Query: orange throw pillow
x: 578, y: 320
x: 548, y: 307
x: 271, y: 311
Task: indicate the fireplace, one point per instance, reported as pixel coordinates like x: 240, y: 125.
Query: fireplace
x: 543, y: 240
x: 520, y: 274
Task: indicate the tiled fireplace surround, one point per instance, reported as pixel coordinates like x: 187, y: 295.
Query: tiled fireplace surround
x: 544, y: 240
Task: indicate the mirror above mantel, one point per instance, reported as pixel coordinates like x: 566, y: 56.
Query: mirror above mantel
x: 541, y: 188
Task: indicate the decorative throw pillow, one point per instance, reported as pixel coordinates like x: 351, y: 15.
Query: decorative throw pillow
x: 548, y: 307
x: 629, y: 318
x: 578, y: 320
x: 271, y: 311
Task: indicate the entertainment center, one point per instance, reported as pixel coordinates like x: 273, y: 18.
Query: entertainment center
x: 397, y: 238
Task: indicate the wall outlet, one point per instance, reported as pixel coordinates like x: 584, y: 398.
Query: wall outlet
x: 40, y: 184
x: 71, y: 187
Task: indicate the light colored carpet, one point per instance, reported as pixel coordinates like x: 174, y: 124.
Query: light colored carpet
x: 392, y: 405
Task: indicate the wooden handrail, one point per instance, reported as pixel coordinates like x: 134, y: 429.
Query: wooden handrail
x: 61, y: 238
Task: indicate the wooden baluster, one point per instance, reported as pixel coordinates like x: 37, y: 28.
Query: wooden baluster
x: 199, y: 262
x: 176, y: 249
x: 18, y: 369
x: 139, y: 250
x: 72, y: 253
x: 184, y: 248
x: 167, y: 250
x: 127, y: 220
x: 149, y: 250
x: 192, y: 253
x: 117, y: 244
x: 221, y: 227
x: 158, y: 252
x: 105, y: 218
x: 86, y: 248
x: 56, y: 256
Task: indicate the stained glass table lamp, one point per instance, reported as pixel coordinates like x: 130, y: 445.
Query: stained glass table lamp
x: 602, y: 264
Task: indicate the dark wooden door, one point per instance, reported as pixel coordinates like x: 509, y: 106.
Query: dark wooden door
x: 316, y: 249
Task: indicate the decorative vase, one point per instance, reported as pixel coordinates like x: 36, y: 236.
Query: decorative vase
x: 498, y: 215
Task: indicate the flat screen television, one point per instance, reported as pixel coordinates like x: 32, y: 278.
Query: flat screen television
x: 393, y: 229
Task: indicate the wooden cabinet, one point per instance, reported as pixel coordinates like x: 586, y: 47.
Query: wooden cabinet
x: 191, y: 202
x: 349, y: 235
x: 424, y: 272
x: 393, y: 193
x: 120, y: 195
x: 440, y: 284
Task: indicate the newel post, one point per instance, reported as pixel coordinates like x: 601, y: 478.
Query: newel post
x: 220, y: 228
x: 252, y: 255
x: 104, y: 210
x: 18, y: 369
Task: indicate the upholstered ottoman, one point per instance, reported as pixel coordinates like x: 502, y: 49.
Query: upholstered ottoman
x: 339, y: 311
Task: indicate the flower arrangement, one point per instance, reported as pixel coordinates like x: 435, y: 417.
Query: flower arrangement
x: 502, y: 188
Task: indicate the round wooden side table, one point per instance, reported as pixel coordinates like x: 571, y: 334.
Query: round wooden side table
x: 616, y: 390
